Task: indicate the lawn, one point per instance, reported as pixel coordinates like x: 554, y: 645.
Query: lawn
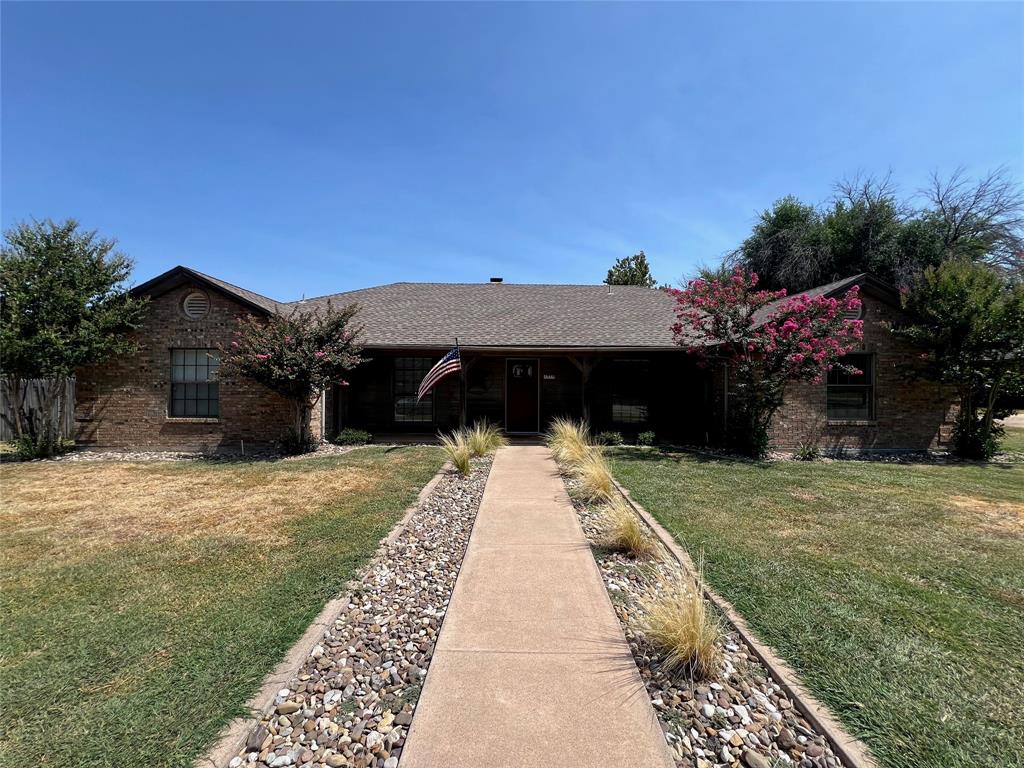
x: 897, y: 591
x: 142, y: 604
x: 1013, y: 441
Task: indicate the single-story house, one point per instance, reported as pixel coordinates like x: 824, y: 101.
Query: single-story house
x: 529, y: 353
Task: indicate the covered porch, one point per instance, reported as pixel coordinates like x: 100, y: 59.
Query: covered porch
x: 524, y: 389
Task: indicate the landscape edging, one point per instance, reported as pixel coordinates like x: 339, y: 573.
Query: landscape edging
x: 852, y: 751
x: 233, y: 735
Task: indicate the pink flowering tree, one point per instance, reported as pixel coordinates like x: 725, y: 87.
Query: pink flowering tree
x: 297, y: 355
x: 766, y: 340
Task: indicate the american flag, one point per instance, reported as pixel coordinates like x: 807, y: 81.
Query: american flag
x: 450, y: 363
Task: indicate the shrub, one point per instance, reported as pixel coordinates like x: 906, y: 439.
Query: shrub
x: 609, y: 438
x: 594, y: 476
x: 27, y: 448
x: 353, y: 437
x: 624, y: 531
x: 456, y: 448
x: 645, y: 438
x: 807, y: 451
x: 568, y: 440
x: 485, y: 438
x: 295, y: 442
x: 678, y: 624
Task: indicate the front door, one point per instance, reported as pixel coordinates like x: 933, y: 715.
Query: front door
x: 522, y: 395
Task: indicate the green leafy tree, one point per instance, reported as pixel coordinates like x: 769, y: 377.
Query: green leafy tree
x: 970, y: 319
x: 631, y: 270
x: 866, y: 227
x: 63, y: 305
x: 788, y: 247
x: 297, y: 355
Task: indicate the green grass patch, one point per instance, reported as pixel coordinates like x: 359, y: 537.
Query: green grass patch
x: 896, y: 591
x: 1013, y: 441
x: 133, y: 640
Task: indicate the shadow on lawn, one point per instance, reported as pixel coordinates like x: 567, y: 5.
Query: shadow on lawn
x: 698, y: 455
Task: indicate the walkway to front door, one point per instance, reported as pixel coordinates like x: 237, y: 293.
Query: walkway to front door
x: 531, y: 666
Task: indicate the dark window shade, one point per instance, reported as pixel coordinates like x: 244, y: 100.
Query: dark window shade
x: 194, y: 388
x: 629, y: 392
x: 851, y: 396
x: 409, y: 372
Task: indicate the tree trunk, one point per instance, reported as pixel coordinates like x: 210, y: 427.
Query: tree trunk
x: 17, y: 402
x: 47, y: 435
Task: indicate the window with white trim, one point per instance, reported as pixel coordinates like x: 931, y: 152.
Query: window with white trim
x: 851, y: 396
x: 194, y: 387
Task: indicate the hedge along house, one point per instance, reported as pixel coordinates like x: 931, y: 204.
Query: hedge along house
x: 529, y: 353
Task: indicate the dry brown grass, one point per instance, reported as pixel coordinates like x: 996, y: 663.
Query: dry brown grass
x: 1004, y: 517
x: 624, y: 531
x: 95, y: 505
x: 678, y: 623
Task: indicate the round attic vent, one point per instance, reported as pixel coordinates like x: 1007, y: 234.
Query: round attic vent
x: 196, y: 305
x: 854, y: 314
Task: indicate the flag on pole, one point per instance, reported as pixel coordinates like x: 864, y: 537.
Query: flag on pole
x: 450, y: 363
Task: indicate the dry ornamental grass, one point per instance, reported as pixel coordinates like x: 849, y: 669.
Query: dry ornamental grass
x: 678, y: 623
x: 626, y: 532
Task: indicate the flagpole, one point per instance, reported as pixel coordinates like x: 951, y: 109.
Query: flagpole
x: 462, y: 386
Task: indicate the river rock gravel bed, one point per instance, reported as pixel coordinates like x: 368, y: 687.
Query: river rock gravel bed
x: 742, y: 718
x: 355, y: 696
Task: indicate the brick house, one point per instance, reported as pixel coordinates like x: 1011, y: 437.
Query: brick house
x: 530, y: 353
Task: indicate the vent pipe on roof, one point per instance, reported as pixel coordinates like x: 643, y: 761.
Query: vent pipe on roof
x: 497, y: 279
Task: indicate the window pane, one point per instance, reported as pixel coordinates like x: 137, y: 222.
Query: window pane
x: 846, y: 402
x: 193, y: 388
x: 408, y: 373
x: 861, y: 362
x: 629, y: 391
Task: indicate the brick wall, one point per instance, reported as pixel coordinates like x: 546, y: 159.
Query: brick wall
x: 911, y: 412
x: 124, y: 403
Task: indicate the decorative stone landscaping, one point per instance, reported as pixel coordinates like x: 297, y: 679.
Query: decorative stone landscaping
x: 354, y: 698
x: 740, y: 719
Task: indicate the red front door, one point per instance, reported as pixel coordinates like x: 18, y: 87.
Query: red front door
x: 522, y: 396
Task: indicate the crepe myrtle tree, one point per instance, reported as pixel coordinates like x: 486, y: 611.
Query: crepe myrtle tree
x: 298, y: 355
x: 766, y: 340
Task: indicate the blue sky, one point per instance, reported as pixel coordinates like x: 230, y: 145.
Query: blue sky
x: 302, y: 149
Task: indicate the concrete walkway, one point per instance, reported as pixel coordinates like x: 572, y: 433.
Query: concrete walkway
x: 531, y: 666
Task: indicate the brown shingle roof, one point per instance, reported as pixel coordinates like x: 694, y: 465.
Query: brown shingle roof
x: 510, y: 315
x: 501, y: 314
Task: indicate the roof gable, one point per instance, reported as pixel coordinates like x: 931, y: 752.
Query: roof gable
x: 180, y: 275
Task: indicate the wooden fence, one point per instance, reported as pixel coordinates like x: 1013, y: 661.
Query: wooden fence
x: 34, y: 394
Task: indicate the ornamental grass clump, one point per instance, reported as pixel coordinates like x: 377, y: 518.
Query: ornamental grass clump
x: 624, y: 531
x: 568, y: 440
x: 456, y: 448
x: 678, y: 624
x: 485, y: 438
x: 594, y: 477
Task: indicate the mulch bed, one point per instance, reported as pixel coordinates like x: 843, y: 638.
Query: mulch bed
x: 355, y: 696
x: 741, y: 718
